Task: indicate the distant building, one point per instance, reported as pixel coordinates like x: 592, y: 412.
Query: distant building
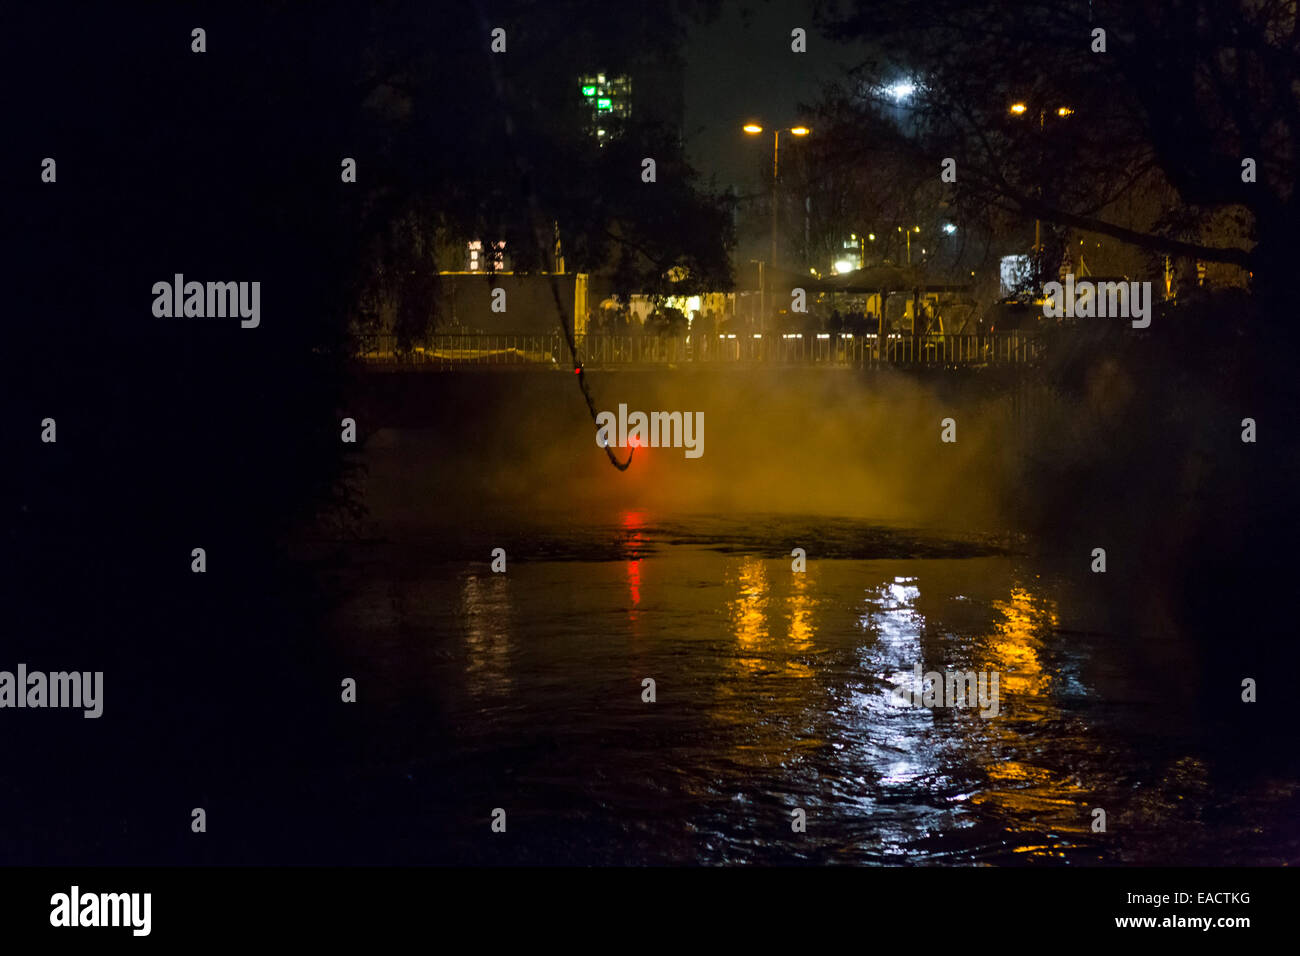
x: 609, y: 98
x: 478, y: 259
x: 650, y: 92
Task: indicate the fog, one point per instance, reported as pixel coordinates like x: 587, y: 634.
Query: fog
x: 803, y: 441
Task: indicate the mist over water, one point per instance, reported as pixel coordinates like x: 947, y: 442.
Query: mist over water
x: 775, y: 441
x: 523, y: 689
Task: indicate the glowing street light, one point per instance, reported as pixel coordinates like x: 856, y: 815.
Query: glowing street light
x: 907, y: 234
x: 1019, y: 108
x: 754, y: 129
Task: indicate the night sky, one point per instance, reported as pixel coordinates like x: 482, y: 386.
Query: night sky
x: 739, y: 67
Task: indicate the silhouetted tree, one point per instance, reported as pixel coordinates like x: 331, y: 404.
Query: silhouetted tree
x: 1160, y: 122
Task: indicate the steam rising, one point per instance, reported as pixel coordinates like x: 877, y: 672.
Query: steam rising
x: 831, y: 442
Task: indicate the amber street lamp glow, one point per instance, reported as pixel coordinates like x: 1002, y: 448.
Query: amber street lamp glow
x: 1019, y: 108
x: 753, y: 128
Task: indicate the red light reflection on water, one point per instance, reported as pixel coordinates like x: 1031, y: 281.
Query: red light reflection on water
x: 633, y: 522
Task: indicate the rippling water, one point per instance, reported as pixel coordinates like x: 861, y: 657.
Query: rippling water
x: 773, y: 692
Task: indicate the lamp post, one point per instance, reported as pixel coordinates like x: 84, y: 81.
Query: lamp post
x: 908, y: 234
x: 754, y: 129
x: 1019, y: 109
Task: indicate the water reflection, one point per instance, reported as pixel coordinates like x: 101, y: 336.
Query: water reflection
x: 633, y: 522
x: 748, y: 613
x: 768, y: 701
x: 801, y: 606
x: 1014, y: 648
x: 486, y: 613
x: 889, y: 739
x: 776, y: 692
x: 1025, y: 794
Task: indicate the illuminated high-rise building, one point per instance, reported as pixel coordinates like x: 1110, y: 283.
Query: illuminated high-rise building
x: 608, y: 98
x: 649, y: 92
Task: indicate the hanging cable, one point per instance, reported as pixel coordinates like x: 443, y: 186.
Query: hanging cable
x: 537, y: 222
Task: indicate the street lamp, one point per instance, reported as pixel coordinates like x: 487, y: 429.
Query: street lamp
x: 908, y: 234
x: 1018, y: 109
x: 754, y: 129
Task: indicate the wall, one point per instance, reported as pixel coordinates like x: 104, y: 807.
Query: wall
x: 465, y: 303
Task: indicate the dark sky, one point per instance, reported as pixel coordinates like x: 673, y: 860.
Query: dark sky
x: 740, y: 67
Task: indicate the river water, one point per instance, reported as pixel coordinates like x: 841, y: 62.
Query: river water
x: 524, y: 691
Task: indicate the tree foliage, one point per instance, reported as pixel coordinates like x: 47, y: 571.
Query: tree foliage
x: 1185, y: 90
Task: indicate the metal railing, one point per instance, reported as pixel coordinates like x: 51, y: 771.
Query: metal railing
x: 463, y: 351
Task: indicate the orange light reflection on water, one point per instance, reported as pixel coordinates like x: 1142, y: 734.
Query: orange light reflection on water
x: 1028, y: 797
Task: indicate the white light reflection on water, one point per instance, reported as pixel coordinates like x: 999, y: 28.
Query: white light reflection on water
x: 774, y: 692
